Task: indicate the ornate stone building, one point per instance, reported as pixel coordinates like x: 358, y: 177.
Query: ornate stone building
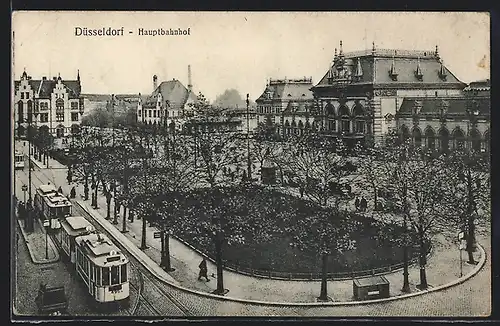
x: 361, y: 92
x: 287, y: 103
x: 447, y: 123
x: 55, y: 104
x: 168, y: 103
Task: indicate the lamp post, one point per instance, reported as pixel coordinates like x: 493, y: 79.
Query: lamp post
x: 29, y: 221
x: 46, y: 224
x: 24, y: 188
x: 406, y: 282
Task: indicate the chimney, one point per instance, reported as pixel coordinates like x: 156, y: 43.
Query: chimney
x: 155, y: 82
x: 54, y: 78
x: 44, y: 78
x: 190, y: 85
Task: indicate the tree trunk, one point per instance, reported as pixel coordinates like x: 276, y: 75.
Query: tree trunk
x: 124, y: 221
x: 220, y: 268
x: 86, y: 189
x: 116, y: 212
x: 323, y: 296
x: 108, y: 208
x: 375, y: 198
x: 165, y: 257
x: 143, y: 237
x: 131, y: 216
x: 471, y: 239
x: 422, y: 262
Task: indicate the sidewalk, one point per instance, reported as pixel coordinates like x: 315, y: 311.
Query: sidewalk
x: 35, y: 241
x: 443, y: 267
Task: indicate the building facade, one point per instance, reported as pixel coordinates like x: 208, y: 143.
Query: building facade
x: 447, y: 123
x: 287, y: 103
x: 55, y: 104
x: 168, y: 103
x: 358, y: 97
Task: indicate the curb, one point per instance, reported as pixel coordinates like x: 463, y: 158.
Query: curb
x: 37, y: 163
x: 131, y: 248
x: 50, y: 243
x: 175, y: 284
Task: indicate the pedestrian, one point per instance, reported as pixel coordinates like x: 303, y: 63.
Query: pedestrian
x: 363, y: 204
x: 72, y: 193
x: 356, y: 203
x: 203, y: 270
x: 301, y: 189
x: 59, y: 190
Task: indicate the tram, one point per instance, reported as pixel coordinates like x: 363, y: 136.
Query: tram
x: 103, y: 268
x: 72, y: 227
x: 18, y: 160
x: 52, y: 205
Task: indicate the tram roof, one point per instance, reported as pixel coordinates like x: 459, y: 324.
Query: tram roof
x: 76, y: 225
x: 45, y: 189
x: 102, y: 252
x: 58, y: 200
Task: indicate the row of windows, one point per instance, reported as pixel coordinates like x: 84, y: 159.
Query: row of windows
x: 23, y: 96
x: 155, y: 113
x: 268, y: 109
x: 44, y: 117
x: 101, y: 276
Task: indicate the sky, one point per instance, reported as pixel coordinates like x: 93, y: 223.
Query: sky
x: 238, y: 50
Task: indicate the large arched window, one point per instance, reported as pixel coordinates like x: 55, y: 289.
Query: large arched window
x: 20, y: 111
x: 475, y: 140
x: 301, y: 127
x: 459, y: 138
x: 417, y: 137
x: 430, y: 136
x: 30, y: 110
x: 287, y: 127
x: 294, y: 127
x: 404, y: 133
x: 444, y: 139
x: 345, y: 119
x: 359, y: 116
x: 329, y: 109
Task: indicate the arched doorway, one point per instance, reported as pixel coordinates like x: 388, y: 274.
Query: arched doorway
x: 300, y: 126
x: 459, y: 139
x: 294, y: 127
x: 430, y: 136
x: 417, y: 137
x: 444, y: 139
x: 475, y: 140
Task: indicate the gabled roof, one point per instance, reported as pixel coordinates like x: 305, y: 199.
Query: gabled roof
x: 43, y: 88
x: 172, y: 91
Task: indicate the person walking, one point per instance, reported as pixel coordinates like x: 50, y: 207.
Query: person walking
x: 72, y: 193
x: 59, y: 190
x: 363, y: 204
x: 203, y: 270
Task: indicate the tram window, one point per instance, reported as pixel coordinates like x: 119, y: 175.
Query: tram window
x: 92, y: 272
x: 98, y: 275
x: 105, y: 276
x: 123, y: 273
x: 114, y: 275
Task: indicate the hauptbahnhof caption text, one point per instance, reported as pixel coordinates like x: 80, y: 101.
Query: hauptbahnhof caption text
x: 108, y: 31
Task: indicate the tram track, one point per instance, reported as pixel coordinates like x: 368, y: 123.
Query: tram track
x: 155, y: 289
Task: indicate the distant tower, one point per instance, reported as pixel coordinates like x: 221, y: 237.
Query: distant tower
x: 190, y: 85
x: 155, y: 82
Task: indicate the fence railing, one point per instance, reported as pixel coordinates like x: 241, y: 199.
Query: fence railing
x: 298, y: 276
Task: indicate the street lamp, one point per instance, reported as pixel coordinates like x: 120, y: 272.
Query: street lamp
x: 406, y: 282
x: 249, y: 163
x: 46, y: 224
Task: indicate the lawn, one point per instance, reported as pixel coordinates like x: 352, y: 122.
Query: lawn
x: 275, y: 253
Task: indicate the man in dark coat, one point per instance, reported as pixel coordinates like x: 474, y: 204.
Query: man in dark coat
x: 363, y: 204
x: 73, y: 193
x: 203, y: 270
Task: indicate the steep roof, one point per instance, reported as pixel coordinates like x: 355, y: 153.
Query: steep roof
x: 287, y: 89
x: 43, y: 88
x: 376, y: 66
x: 172, y: 91
x: 454, y: 105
